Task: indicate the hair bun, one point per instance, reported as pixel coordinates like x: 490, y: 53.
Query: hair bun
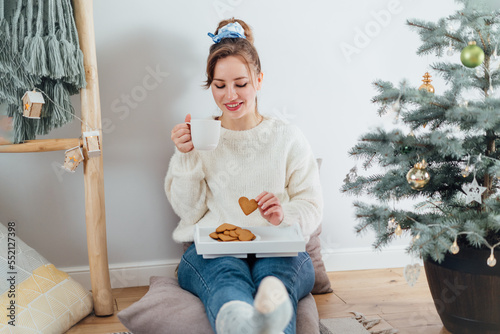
x: 246, y: 27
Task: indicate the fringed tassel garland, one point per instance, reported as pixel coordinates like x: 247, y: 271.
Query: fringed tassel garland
x: 51, y: 64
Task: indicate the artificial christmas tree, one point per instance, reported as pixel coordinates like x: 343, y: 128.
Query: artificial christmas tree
x: 453, y: 134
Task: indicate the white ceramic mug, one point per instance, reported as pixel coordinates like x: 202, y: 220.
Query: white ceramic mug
x: 205, y: 133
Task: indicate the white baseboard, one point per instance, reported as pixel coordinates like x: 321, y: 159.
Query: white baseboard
x: 126, y: 275
x: 366, y: 258
x: 137, y: 274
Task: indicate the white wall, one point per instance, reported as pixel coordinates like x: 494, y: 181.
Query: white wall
x: 308, y: 79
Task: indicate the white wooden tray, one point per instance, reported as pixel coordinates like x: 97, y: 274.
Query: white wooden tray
x: 270, y: 242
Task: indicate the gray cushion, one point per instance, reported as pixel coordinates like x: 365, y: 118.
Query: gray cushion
x: 322, y: 282
x: 167, y: 308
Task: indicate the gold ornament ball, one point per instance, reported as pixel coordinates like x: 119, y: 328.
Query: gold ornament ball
x: 427, y: 83
x: 418, y: 176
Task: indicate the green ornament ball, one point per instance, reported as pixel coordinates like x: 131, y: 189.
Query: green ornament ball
x: 472, y: 55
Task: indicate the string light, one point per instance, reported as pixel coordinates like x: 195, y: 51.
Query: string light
x: 490, y: 90
x: 491, y: 260
x: 466, y: 170
x: 61, y: 108
x: 398, y: 231
x: 454, y: 248
x: 479, y: 71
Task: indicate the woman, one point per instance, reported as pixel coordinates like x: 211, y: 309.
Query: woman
x: 257, y: 157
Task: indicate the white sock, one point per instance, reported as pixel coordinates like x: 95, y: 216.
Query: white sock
x: 270, y: 314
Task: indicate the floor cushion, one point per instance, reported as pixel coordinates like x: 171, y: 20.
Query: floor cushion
x: 45, y: 299
x: 167, y: 308
x: 313, y: 247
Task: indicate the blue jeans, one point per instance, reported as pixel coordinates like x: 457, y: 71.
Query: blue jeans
x: 220, y: 280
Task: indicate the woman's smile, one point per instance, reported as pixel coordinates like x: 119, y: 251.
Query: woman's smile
x: 234, y: 106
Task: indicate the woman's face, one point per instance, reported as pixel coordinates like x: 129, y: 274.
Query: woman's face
x: 234, y: 89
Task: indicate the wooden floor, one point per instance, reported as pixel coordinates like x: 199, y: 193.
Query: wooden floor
x: 378, y: 294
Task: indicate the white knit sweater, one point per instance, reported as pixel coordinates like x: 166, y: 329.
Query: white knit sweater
x: 203, y: 187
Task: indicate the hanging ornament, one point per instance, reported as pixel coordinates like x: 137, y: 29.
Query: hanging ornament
x: 32, y: 104
x: 454, y: 248
x: 352, y: 175
x: 472, y: 55
x: 396, y: 108
x: 450, y: 50
x: 418, y: 177
x: 491, y: 260
x: 427, y: 83
x: 427, y: 86
x: 473, y: 191
x: 411, y: 273
x: 73, y: 157
x: 495, y: 54
x: 391, y: 225
x: 92, y: 143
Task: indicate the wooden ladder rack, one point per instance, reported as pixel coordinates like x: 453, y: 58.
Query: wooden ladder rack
x: 92, y: 167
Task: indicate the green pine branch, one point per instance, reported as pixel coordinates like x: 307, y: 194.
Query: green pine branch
x: 456, y: 135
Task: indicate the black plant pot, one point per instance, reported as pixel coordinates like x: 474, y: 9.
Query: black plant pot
x: 466, y: 291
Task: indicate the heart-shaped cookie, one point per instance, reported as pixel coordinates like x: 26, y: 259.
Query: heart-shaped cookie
x: 248, y: 205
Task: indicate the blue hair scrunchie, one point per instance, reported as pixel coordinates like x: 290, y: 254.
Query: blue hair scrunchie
x: 231, y: 30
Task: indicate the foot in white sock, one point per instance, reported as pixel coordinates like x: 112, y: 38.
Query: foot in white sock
x: 271, y: 314
x: 274, y: 304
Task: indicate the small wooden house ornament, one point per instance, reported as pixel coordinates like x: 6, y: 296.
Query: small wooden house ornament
x: 72, y: 159
x: 92, y: 143
x: 32, y: 104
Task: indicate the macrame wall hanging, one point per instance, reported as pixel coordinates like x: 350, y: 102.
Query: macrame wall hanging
x: 39, y: 53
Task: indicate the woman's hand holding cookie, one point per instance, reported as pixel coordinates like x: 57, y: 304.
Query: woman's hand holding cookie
x: 181, y: 136
x: 270, y: 207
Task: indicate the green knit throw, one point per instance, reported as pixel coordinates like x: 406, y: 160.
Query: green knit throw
x: 39, y: 49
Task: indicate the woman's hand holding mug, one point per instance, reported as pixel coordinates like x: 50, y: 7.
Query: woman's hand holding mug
x: 181, y: 136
